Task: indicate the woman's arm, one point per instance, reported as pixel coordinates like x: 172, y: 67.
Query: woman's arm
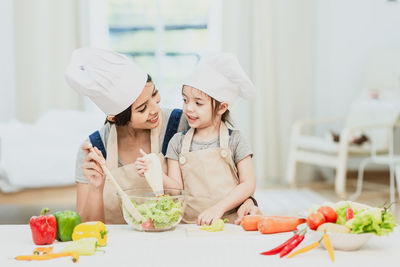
x: 89, y: 197
x: 89, y: 202
x: 245, y: 188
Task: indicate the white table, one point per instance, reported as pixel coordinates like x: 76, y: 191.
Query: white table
x: 186, y: 247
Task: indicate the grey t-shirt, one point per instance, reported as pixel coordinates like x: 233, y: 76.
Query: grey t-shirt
x: 105, y: 133
x: 237, y: 144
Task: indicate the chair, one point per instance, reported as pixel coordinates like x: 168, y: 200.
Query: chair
x: 374, y: 113
x: 370, y: 118
x: 391, y: 160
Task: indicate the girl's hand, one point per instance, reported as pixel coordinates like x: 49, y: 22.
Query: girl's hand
x: 210, y: 215
x: 91, y: 166
x: 141, y: 164
x: 247, y: 208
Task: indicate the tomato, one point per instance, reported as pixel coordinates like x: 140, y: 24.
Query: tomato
x: 329, y: 214
x: 148, y: 225
x: 349, y: 214
x: 315, y: 219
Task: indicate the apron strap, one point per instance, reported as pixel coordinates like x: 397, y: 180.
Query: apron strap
x: 155, y: 136
x: 223, y: 138
x: 112, y: 149
x: 223, y: 135
x: 187, y: 141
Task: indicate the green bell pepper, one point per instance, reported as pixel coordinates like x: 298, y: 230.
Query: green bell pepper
x: 66, y: 222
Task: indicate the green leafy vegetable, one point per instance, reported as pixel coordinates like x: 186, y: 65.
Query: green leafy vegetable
x: 366, y: 219
x: 163, y: 211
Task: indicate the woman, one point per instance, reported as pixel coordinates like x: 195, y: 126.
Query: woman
x: 135, y: 121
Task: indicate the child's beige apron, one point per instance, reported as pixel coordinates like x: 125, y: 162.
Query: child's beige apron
x: 126, y: 176
x: 208, y: 176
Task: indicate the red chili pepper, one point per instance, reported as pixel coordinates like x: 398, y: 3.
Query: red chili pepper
x: 349, y: 214
x: 291, y: 246
x: 280, y: 247
x: 44, y: 228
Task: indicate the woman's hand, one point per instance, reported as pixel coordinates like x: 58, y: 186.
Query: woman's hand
x: 247, y: 208
x: 91, y: 166
x: 141, y: 164
x: 210, y: 215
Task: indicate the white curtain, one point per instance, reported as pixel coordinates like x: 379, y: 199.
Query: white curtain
x: 274, y: 41
x: 46, y: 32
x: 7, y: 64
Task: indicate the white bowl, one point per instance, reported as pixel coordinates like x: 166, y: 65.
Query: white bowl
x: 342, y: 241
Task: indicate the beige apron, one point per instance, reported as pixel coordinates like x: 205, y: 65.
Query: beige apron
x: 126, y: 176
x: 208, y: 176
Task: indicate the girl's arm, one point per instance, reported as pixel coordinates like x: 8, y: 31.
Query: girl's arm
x: 245, y: 188
x: 171, y: 180
x: 174, y: 177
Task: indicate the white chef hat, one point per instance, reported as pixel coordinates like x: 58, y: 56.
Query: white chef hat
x: 221, y: 77
x: 111, y: 80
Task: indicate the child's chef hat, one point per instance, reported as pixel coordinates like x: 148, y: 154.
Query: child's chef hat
x: 111, y: 80
x: 222, y: 78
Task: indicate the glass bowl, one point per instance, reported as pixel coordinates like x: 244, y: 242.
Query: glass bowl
x: 161, y: 211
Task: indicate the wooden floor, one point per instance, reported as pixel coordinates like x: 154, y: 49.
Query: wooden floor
x: 19, y: 207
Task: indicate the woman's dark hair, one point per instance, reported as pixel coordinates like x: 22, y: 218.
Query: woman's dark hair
x: 124, y: 117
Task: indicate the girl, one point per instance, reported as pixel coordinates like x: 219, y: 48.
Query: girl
x: 212, y: 163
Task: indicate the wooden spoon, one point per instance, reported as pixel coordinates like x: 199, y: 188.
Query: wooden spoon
x: 124, y: 197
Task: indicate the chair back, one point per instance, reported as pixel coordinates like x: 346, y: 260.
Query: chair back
x: 379, y: 102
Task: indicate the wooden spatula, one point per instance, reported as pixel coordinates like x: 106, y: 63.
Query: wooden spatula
x: 124, y: 197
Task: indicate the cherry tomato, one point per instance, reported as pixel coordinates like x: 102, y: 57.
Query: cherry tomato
x: 329, y: 214
x: 148, y: 225
x: 315, y: 219
x: 349, y: 214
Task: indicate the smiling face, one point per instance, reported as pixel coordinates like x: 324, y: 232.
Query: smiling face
x: 197, y: 107
x: 145, y: 111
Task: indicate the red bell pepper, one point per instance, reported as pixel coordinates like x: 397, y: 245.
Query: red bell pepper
x: 44, y: 228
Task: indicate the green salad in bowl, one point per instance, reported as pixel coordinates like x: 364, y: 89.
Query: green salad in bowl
x: 349, y: 224
x: 161, y: 211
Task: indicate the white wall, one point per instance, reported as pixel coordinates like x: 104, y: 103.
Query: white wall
x: 347, y: 32
x: 7, y: 62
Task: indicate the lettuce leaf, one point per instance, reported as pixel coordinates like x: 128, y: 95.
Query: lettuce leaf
x: 163, y: 211
x: 372, y: 220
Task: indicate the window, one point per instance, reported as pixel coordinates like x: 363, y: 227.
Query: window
x: 164, y: 37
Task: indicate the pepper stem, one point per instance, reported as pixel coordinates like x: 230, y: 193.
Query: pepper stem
x: 44, y: 211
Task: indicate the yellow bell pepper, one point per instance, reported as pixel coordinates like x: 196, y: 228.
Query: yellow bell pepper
x: 91, y: 229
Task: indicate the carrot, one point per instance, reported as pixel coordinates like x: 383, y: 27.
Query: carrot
x: 281, y: 224
x: 250, y: 222
x: 47, y: 256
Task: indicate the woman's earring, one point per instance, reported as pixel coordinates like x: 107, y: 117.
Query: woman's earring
x: 111, y: 118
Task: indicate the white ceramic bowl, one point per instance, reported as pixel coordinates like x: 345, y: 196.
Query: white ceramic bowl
x: 342, y: 241
x: 145, y: 196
